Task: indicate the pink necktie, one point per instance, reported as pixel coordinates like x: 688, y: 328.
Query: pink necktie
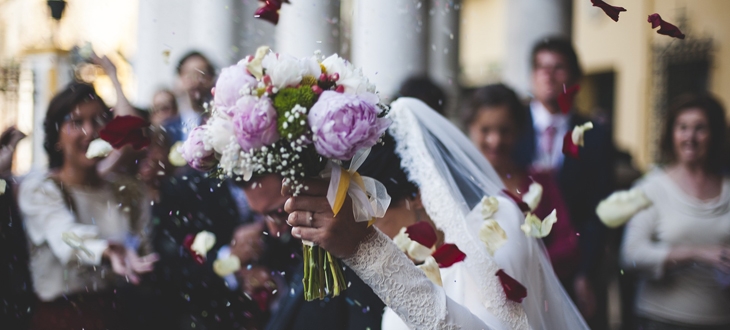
x: 549, y: 139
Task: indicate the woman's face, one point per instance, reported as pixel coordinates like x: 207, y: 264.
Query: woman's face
x: 494, y: 133
x: 691, y: 137
x: 79, y: 128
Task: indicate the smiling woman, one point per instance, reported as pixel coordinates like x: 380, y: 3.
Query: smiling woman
x: 78, y: 223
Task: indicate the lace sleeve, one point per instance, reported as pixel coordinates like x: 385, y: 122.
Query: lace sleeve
x: 406, y: 290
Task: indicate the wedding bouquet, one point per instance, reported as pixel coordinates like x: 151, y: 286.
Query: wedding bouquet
x: 297, y: 118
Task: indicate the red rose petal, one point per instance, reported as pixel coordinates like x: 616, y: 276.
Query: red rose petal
x: 447, y: 255
x: 124, y: 130
x: 611, y: 11
x: 665, y: 28
x: 423, y: 233
x: 187, y: 244
x: 520, y: 203
x: 565, y: 99
x: 268, y: 13
x: 513, y: 289
x: 570, y: 149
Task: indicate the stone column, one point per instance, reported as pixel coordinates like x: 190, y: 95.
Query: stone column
x: 443, y: 53
x: 309, y: 25
x: 389, y: 41
x: 212, y: 30
x: 527, y: 22
x: 253, y: 32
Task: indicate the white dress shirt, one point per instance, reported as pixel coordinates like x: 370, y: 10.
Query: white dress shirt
x: 545, y: 159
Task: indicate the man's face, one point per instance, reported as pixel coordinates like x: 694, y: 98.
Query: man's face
x: 196, y: 79
x: 264, y: 197
x: 550, y: 74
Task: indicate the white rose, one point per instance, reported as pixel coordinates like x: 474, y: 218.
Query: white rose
x: 284, y: 70
x: 490, y: 206
x: 219, y: 133
x: 226, y: 266
x: 533, y: 195
x: 351, y: 79
x: 492, y: 234
x: 431, y: 268
x: 98, y: 148
x: 579, y: 131
x: 618, y: 208
x: 203, y: 242
x: 533, y: 227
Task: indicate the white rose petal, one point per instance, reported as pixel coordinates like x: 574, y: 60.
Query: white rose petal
x: 402, y: 240
x: 98, y: 148
x: 351, y: 78
x: 418, y: 252
x: 3, y: 186
x: 533, y: 196
x: 618, y: 208
x: 283, y: 69
x: 310, y: 67
x: 203, y: 242
x: 76, y: 242
x: 254, y: 67
x: 431, y: 268
x: 226, y: 266
x: 535, y: 228
x: 175, y: 156
x: 578, y: 131
x: 492, y: 234
x: 490, y: 206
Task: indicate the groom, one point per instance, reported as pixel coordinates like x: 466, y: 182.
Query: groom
x: 356, y: 308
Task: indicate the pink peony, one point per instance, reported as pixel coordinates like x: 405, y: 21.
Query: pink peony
x: 254, y: 122
x: 342, y: 123
x: 230, y: 82
x: 194, y: 152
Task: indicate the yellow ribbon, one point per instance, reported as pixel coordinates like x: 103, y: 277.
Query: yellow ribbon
x: 345, y: 178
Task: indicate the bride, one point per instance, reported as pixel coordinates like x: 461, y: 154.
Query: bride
x: 451, y: 178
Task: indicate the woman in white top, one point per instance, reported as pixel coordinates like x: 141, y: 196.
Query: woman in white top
x: 452, y: 177
x: 78, y: 224
x: 681, y: 243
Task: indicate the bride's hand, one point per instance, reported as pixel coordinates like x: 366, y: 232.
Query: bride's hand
x: 127, y: 263
x: 311, y: 216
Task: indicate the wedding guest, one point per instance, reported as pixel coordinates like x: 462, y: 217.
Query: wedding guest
x: 583, y: 182
x: 424, y: 89
x: 681, y: 243
x: 78, y: 224
x: 164, y: 107
x: 494, y: 123
x: 196, y: 77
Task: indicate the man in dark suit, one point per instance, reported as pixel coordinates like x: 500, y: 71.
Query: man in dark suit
x: 356, y: 308
x: 583, y: 182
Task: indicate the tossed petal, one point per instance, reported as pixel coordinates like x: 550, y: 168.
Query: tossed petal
x: 611, y: 11
x: 534, y: 227
x: 254, y: 66
x: 423, y: 233
x: 578, y: 133
x: 618, y: 208
x: 418, y: 252
x: 226, y: 266
x: 492, y: 235
x: 268, y: 13
x: 520, y: 203
x: 533, y: 195
x: 490, y: 206
x: 570, y: 149
x: 565, y: 99
x: 665, y: 27
x: 203, y: 242
x: 175, y: 157
x: 126, y: 130
x: 187, y: 244
x: 402, y: 240
x: 447, y: 255
x: 98, y: 149
x: 514, y: 290
x: 3, y: 186
x: 432, y: 271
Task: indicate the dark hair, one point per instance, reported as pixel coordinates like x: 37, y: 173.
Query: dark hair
x: 384, y: 165
x: 496, y: 95
x: 60, y: 106
x: 715, y: 113
x: 191, y: 54
x: 562, y: 47
x: 424, y: 89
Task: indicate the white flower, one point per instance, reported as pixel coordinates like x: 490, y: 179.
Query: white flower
x: 310, y: 67
x: 283, y: 69
x: 578, y: 131
x: 98, y: 148
x: 431, y: 268
x: 492, y: 235
x: 351, y: 78
x: 533, y: 195
x: 175, y: 156
x: 490, y: 206
x: 254, y: 66
x: 219, y: 133
x: 618, y: 208
x: 203, y: 242
x: 412, y: 249
x: 3, y: 186
x: 402, y: 240
x: 226, y: 266
x: 535, y: 228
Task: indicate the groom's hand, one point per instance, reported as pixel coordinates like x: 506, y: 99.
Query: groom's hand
x: 311, y: 216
